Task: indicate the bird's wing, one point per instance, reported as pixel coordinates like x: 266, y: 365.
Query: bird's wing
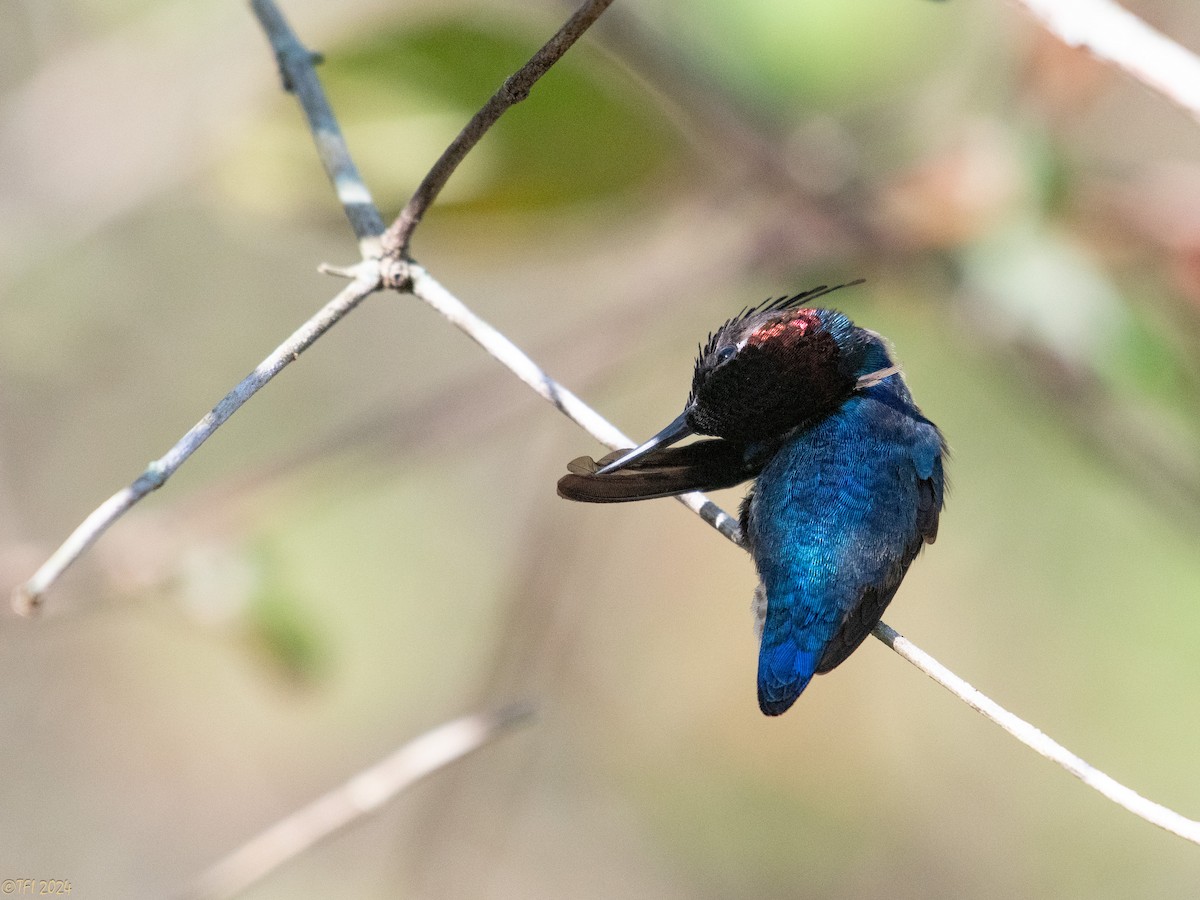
x: 875, y: 598
x: 700, y: 466
x: 862, y: 619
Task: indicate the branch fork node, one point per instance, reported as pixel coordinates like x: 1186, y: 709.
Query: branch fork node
x: 395, y: 273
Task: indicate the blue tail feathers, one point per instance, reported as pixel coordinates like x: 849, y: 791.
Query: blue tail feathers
x: 784, y: 671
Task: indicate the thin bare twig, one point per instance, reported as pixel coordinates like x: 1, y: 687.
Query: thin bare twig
x: 1036, y: 740
x: 298, y: 72
x: 427, y: 288
x: 515, y: 89
x: 296, y: 68
x: 362, y: 795
x: 1115, y: 35
x: 27, y: 597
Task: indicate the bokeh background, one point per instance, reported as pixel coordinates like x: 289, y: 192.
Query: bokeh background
x: 374, y: 545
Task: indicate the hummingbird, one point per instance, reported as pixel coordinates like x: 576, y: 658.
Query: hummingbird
x: 848, y: 476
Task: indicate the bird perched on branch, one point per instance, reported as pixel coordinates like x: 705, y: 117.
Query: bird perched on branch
x: 847, y: 473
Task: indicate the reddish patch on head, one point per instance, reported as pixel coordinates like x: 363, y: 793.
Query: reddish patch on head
x: 787, y: 330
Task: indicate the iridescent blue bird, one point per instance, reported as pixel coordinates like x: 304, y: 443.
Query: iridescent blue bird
x: 847, y: 473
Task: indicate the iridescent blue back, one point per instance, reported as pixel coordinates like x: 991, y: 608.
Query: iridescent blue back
x: 834, y: 520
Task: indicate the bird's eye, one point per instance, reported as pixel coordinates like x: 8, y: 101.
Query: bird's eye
x: 725, y: 354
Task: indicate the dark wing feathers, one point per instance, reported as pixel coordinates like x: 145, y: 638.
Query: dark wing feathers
x: 700, y: 466
x: 866, y: 615
x: 929, y: 503
x: 875, y: 599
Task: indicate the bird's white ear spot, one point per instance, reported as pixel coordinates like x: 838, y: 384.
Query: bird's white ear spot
x: 758, y: 606
x: 872, y: 379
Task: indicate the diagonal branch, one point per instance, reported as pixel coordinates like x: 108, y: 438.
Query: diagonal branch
x: 298, y: 72
x: 1038, y: 741
x: 362, y: 795
x: 296, y: 68
x: 28, y: 596
x: 515, y: 89
x: 1115, y: 35
x: 425, y: 287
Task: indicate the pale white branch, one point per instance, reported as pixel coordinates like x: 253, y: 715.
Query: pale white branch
x: 1039, y: 742
x: 427, y: 288
x: 362, y: 795
x: 1115, y: 35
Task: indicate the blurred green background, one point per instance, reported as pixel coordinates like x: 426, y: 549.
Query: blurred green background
x: 373, y: 545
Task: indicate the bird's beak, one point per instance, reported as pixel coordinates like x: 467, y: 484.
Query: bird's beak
x: 672, y: 434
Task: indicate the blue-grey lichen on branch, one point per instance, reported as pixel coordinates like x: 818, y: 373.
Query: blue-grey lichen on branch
x: 296, y: 68
x: 28, y: 596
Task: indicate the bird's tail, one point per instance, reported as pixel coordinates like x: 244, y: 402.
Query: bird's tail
x: 784, y: 666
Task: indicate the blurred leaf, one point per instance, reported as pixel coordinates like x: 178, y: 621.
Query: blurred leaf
x: 959, y: 193
x: 280, y: 628
x: 1034, y: 282
x: 1152, y: 368
x: 823, y: 54
x: 742, y: 827
x: 1149, y: 361
x: 1052, y: 172
x: 585, y: 133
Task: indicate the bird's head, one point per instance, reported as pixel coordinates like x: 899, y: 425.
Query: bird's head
x: 772, y: 368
